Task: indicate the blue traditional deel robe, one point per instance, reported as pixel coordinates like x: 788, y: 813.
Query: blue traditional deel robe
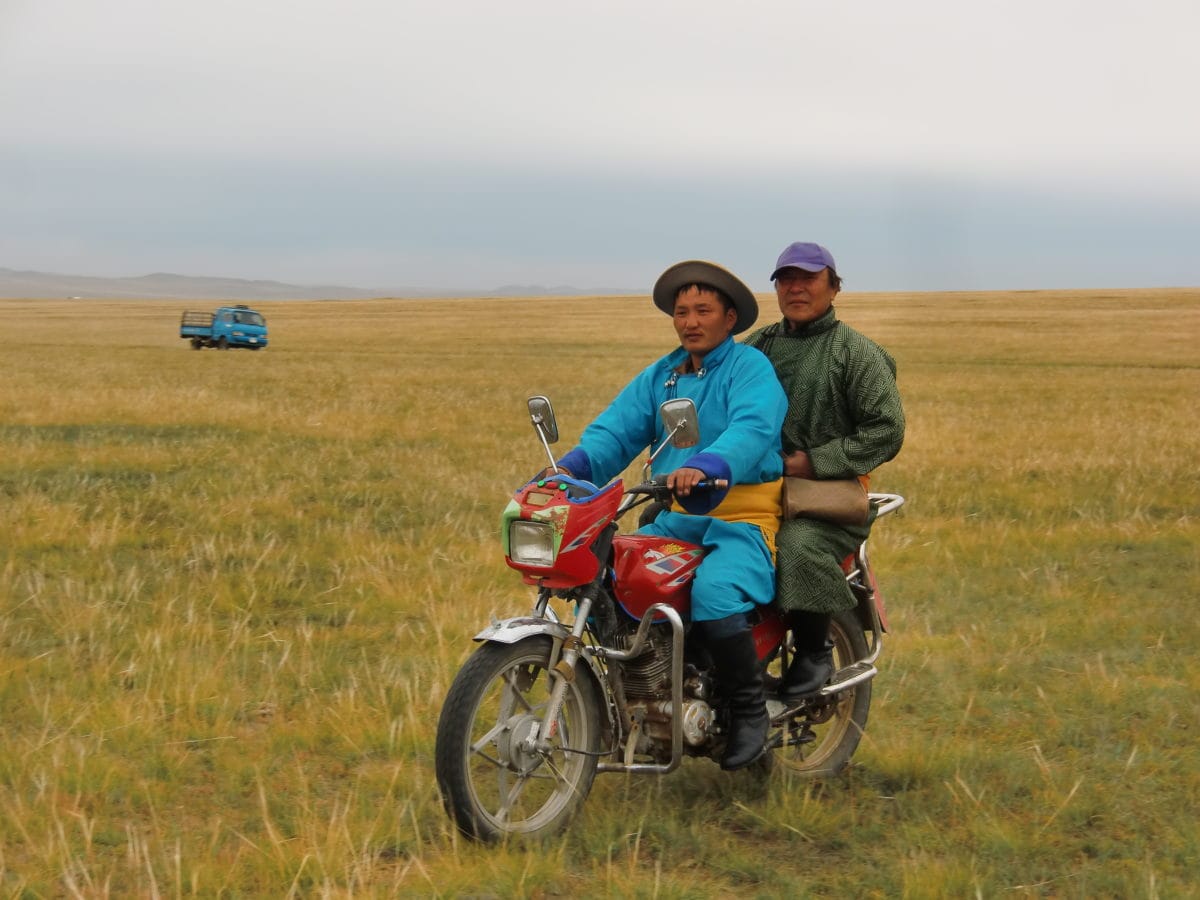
x: 740, y: 410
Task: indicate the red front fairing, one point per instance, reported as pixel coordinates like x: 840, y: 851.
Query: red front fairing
x: 576, y: 522
x: 649, y: 569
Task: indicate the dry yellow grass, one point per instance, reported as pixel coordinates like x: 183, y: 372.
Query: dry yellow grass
x: 234, y: 588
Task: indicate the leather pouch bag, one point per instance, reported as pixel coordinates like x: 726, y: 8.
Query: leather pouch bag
x: 842, y: 501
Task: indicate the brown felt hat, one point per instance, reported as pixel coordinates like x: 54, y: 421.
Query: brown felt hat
x: 697, y: 271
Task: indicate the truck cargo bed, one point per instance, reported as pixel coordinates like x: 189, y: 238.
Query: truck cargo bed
x: 196, y: 323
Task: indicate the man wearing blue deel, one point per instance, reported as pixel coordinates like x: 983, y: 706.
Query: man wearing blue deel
x: 740, y: 408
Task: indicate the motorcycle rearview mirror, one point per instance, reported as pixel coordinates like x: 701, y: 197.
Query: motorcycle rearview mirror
x: 541, y: 414
x: 679, y: 420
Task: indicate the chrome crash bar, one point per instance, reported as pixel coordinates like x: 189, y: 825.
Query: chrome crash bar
x: 635, y: 648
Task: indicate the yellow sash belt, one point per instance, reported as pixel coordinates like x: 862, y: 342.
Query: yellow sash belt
x: 756, y: 504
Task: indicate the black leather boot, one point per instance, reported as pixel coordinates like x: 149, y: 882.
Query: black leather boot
x: 741, y: 677
x: 812, y: 657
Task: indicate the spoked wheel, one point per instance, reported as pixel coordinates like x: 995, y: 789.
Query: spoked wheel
x: 820, y: 740
x: 492, y: 783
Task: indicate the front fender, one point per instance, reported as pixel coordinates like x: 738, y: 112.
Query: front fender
x: 509, y: 631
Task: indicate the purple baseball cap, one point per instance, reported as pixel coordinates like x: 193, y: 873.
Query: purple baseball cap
x: 809, y: 257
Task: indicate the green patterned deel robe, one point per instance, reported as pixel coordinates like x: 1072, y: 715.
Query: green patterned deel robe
x: 844, y: 411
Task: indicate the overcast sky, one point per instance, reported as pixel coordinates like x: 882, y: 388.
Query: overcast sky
x: 930, y: 144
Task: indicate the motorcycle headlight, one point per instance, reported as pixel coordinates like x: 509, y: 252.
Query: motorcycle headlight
x: 531, y: 543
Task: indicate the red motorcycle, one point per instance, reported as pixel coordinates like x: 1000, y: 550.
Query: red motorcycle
x: 547, y: 702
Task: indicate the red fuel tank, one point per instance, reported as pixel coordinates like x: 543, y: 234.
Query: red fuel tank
x: 651, y: 569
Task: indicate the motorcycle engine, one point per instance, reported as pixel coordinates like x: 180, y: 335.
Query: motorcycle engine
x: 656, y: 717
x: 648, y: 676
x: 647, y: 683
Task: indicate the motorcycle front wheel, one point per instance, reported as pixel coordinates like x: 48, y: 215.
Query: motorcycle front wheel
x: 820, y: 741
x: 491, y: 784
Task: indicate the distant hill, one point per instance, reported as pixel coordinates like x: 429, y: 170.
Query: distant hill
x: 167, y: 286
x: 164, y: 286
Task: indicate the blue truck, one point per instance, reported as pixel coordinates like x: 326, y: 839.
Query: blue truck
x: 229, y: 326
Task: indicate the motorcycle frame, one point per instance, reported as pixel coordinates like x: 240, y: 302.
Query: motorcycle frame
x: 569, y: 649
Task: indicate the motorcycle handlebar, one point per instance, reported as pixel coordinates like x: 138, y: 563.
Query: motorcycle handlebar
x: 657, y: 488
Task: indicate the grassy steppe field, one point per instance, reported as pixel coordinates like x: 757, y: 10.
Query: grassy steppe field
x: 235, y: 587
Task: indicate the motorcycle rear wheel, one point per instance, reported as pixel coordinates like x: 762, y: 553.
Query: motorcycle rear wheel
x: 491, y: 786
x: 838, y: 724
